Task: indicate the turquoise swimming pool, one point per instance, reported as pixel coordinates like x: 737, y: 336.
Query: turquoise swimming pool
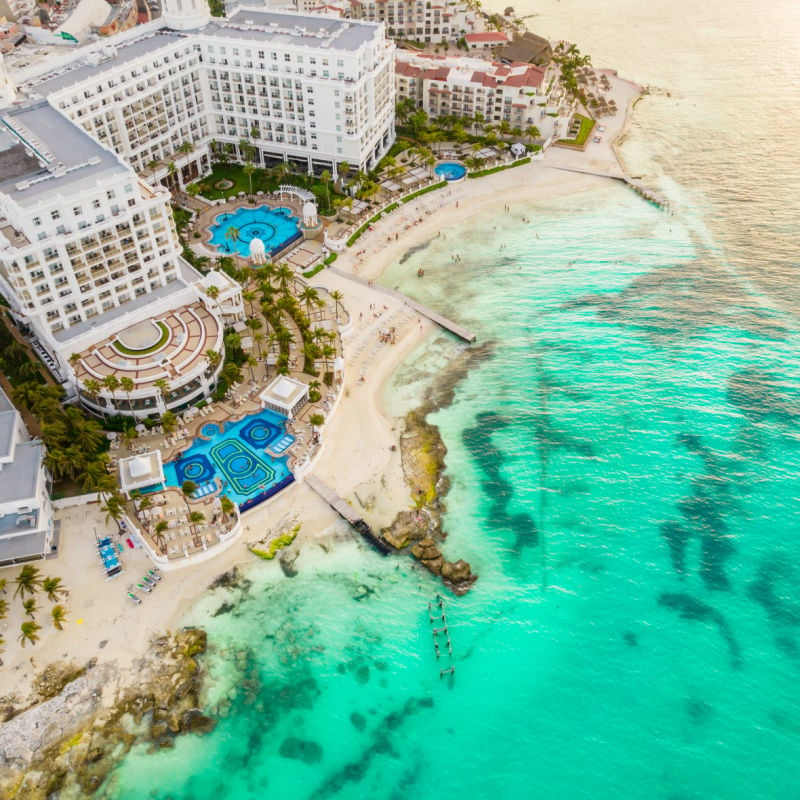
x: 245, y: 456
x: 232, y: 232
x: 450, y: 170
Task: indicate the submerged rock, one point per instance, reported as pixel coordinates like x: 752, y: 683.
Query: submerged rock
x: 359, y: 721
x: 304, y: 750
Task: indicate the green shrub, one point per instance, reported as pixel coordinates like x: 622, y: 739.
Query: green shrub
x: 483, y: 172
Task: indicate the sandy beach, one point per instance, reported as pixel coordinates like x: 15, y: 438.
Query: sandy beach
x: 360, y: 457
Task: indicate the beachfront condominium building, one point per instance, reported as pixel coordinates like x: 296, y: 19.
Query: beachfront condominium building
x: 27, y: 529
x: 88, y: 251
x: 426, y: 21
x: 299, y: 88
x: 472, y: 88
x: 89, y: 258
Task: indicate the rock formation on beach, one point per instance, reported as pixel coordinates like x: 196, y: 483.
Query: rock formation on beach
x: 68, y: 739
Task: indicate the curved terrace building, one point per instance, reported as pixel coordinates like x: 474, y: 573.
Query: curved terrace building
x: 89, y: 258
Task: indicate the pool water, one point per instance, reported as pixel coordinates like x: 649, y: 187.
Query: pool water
x: 450, y: 170
x: 235, y: 453
x: 276, y: 227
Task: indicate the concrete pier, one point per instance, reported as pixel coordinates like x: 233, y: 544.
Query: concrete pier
x: 434, y: 316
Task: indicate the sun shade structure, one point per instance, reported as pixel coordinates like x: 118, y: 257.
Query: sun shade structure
x: 137, y: 472
x: 285, y: 395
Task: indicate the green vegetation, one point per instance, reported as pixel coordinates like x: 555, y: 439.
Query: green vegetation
x: 586, y: 126
x: 315, y: 269
x: 330, y: 259
x: 276, y: 544
x: 483, y: 172
x: 570, y: 61
x: 129, y: 351
x: 249, y: 179
x: 432, y: 188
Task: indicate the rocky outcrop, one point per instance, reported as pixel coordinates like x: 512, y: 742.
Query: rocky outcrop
x: 423, y: 456
x: 70, y: 739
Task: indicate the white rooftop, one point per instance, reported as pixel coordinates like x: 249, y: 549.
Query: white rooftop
x: 136, y: 472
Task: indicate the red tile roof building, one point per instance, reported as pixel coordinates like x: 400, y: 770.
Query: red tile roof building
x: 465, y: 87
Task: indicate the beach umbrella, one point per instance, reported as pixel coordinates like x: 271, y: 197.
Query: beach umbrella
x: 111, y: 435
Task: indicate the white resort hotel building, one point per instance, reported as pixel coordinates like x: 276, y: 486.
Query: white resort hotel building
x: 89, y: 258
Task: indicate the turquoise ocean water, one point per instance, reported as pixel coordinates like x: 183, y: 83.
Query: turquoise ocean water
x: 624, y: 466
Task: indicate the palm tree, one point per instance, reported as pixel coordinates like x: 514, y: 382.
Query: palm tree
x: 532, y: 132
x: 169, y: 422
x: 53, y: 589
x: 91, y: 388
x: 28, y: 581
x: 309, y: 296
x: 231, y: 236
x: 337, y: 297
x: 163, y: 388
x: 29, y: 632
x: 114, y: 506
x: 159, y: 540
x: 127, y: 385
x: 193, y: 189
x: 226, y: 505
x: 213, y: 357
x: 59, y: 616
x: 196, y: 518
x: 111, y: 382
x: 250, y: 296
x: 188, y: 488
x: 251, y: 362
x: 3, y: 608
x: 284, y: 276
x: 325, y: 177
x: 3, y: 583
x: 29, y: 607
x: 249, y: 168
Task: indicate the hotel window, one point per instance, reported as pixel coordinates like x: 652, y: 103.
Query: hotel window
x: 77, y: 211
x: 55, y: 214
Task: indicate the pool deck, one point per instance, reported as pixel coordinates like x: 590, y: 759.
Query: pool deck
x: 207, y: 217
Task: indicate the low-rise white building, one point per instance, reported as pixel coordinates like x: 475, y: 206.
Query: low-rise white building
x: 27, y: 529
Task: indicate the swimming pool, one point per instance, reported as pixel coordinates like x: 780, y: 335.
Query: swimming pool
x: 450, y: 170
x: 232, y: 232
x: 240, y: 455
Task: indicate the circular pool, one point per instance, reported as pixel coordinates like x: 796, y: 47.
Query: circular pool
x: 233, y: 231
x: 450, y: 170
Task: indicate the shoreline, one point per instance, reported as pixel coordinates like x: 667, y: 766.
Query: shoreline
x: 361, y: 457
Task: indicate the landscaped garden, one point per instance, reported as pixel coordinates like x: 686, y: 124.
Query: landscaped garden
x: 227, y: 180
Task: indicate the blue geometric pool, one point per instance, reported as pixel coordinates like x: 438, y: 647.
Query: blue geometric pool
x: 245, y: 456
x: 276, y: 227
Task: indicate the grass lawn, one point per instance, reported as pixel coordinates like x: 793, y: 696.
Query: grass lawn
x: 262, y: 182
x: 580, y: 140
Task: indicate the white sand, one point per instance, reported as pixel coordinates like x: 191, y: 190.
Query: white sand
x: 356, y: 459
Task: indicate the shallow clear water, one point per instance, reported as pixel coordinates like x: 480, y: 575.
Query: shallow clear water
x: 624, y: 463
x: 232, y: 232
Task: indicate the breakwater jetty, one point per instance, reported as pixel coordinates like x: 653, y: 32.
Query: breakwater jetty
x: 441, y: 630
x: 348, y: 514
x: 644, y: 191
x: 434, y: 316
